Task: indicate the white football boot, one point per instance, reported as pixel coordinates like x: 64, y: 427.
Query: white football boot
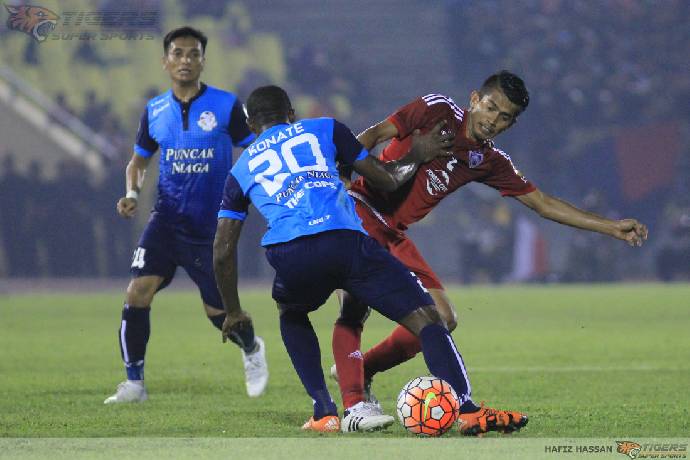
x: 128, y: 392
x: 365, y: 416
x: 256, y: 369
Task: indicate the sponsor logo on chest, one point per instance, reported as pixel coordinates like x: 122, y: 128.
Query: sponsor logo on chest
x: 438, y: 180
x: 186, y: 161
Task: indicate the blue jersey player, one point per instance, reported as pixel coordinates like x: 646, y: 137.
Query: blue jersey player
x: 195, y: 127
x: 316, y: 244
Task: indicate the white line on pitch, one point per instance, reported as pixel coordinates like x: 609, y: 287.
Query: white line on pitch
x: 556, y: 369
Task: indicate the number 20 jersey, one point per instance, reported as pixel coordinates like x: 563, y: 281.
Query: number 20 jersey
x: 289, y: 173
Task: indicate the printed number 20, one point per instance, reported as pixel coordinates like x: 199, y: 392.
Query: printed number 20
x: 271, y: 179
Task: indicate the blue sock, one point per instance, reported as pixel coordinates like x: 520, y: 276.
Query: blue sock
x: 243, y: 338
x: 444, y: 361
x: 303, y: 347
x: 133, y: 336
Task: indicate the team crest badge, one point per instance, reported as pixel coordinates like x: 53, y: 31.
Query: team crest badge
x: 35, y: 21
x: 207, y: 121
x: 476, y: 158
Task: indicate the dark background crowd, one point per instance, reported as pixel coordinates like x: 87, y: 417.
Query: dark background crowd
x: 607, y: 128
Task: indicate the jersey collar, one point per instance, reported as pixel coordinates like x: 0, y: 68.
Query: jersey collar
x: 201, y: 91
x: 273, y: 128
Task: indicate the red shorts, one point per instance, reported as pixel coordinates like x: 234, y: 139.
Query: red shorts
x: 398, y: 244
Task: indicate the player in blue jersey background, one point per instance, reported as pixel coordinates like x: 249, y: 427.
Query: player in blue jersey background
x: 194, y: 126
x: 316, y: 244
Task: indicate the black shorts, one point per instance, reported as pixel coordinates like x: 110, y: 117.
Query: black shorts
x: 310, y: 268
x: 161, y: 250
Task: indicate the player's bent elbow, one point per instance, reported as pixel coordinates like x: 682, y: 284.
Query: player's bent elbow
x: 385, y: 183
x: 389, y: 186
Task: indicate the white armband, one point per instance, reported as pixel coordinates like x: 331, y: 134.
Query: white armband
x: 132, y: 194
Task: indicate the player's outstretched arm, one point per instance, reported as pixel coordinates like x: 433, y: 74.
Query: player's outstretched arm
x: 225, y: 269
x: 390, y: 175
x: 134, y: 179
x: 549, y: 207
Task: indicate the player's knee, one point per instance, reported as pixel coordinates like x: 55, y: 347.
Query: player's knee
x: 445, y: 308
x: 421, y: 318
x: 140, y: 293
x: 352, y: 312
x: 213, y: 311
x: 353, y: 315
x: 450, y: 318
x: 351, y: 323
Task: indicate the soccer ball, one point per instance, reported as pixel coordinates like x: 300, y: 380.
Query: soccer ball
x: 428, y: 406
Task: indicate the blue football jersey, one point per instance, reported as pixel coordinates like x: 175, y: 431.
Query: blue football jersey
x: 289, y: 173
x: 195, y: 141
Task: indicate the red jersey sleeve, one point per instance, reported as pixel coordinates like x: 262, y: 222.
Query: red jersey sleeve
x: 420, y: 114
x: 409, y: 117
x: 505, y: 178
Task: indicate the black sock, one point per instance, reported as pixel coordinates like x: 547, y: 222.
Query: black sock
x: 133, y: 336
x: 244, y: 339
x: 302, y: 345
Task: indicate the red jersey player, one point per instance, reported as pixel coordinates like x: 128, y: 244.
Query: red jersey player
x: 387, y: 215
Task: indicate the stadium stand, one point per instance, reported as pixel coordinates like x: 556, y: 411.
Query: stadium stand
x: 599, y: 75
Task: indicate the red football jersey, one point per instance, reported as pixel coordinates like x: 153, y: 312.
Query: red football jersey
x: 433, y: 181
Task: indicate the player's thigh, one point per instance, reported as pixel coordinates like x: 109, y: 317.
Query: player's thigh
x: 381, y: 281
x: 153, y: 263
x: 306, y: 271
x: 406, y: 251
x: 197, y: 261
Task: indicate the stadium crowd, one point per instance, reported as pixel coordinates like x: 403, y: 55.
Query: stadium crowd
x: 586, y: 82
x: 591, y: 67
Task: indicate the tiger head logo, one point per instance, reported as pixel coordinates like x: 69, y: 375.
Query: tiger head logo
x: 35, y: 21
x: 629, y: 448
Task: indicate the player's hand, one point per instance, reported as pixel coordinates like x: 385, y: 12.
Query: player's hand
x: 631, y: 231
x: 437, y: 142
x: 234, y: 323
x: 126, y: 207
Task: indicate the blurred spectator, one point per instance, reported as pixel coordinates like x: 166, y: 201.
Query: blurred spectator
x: 592, y: 68
x: 591, y: 256
x: 15, y: 225
x: 95, y: 112
x: 486, y: 247
x: 673, y: 257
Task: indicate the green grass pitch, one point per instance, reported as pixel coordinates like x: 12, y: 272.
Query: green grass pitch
x: 583, y: 361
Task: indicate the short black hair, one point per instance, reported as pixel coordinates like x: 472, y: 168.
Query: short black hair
x: 268, y: 104
x: 511, y: 85
x: 185, y: 31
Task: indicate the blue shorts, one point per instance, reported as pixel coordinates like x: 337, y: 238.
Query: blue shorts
x: 161, y: 250
x: 310, y: 268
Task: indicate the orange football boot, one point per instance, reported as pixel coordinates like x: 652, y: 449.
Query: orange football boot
x: 327, y: 424
x: 487, y: 419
